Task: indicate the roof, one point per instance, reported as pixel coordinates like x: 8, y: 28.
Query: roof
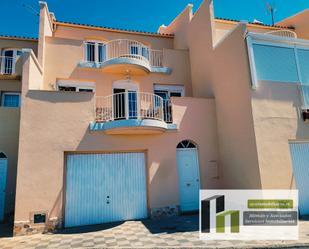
x: 15, y: 37
x: 252, y: 23
x: 80, y: 25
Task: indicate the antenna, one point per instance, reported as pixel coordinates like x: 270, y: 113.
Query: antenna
x: 271, y: 8
x: 30, y: 9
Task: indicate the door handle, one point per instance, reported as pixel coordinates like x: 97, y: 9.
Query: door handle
x: 188, y: 184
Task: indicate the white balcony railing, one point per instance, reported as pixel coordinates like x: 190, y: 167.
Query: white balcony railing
x: 122, y: 48
x: 283, y: 33
x: 132, y: 105
x: 7, y: 65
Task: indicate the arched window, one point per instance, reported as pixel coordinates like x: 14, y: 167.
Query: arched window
x: 186, y: 144
x: 2, y: 155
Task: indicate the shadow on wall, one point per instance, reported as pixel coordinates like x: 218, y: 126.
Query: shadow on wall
x: 59, y: 97
x: 56, y: 210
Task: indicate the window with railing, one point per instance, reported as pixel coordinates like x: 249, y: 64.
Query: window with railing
x: 166, y: 92
x: 8, y: 60
x: 98, y: 52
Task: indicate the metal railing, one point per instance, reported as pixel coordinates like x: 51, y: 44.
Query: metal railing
x: 283, y: 33
x: 132, y: 105
x: 7, y: 65
x: 156, y: 58
x: 122, y: 48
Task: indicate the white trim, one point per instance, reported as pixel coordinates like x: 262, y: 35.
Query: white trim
x: 78, y: 85
x: 170, y: 88
x: 252, y: 63
x: 10, y: 93
x: 96, y: 49
x: 279, y: 39
x: 128, y: 85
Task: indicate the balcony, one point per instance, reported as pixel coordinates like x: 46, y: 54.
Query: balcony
x: 123, y: 56
x: 10, y: 68
x: 132, y: 113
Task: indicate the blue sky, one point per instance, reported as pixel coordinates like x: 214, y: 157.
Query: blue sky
x: 133, y: 14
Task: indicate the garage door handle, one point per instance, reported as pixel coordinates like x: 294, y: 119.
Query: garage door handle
x: 188, y: 184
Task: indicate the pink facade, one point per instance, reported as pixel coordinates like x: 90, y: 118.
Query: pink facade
x: 183, y: 100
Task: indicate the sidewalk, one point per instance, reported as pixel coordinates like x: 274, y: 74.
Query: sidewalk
x: 173, y: 232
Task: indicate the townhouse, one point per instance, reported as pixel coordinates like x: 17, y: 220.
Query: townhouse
x: 109, y: 125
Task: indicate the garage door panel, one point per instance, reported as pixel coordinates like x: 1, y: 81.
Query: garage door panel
x: 300, y: 161
x: 105, y: 188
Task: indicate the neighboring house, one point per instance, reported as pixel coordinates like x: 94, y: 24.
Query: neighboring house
x: 117, y: 125
x: 10, y: 90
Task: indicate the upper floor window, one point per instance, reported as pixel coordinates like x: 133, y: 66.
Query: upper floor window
x: 8, y: 60
x: 168, y: 91
x: 94, y: 51
x: 275, y: 63
x: 10, y: 99
x: 70, y: 86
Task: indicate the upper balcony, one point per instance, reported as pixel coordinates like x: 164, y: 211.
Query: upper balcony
x: 132, y: 113
x: 123, y: 56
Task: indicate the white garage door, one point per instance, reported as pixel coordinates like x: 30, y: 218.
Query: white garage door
x: 103, y: 188
x: 300, y: 160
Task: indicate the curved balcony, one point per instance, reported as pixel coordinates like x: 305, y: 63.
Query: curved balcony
x: 283, y: 33
x: 132, y: 113
x: 124, y: 56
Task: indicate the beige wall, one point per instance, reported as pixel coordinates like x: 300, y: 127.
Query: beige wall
x: 200, y: 47
x: 63, y: 56
x: 277, y: 120
x: 299, y: 22
x: 237, y: 148
x: 9, y: 131
x: 84, y: 33
x: 61, y: 121
x: 18, y: 43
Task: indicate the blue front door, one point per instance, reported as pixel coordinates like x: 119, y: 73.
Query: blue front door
x: 189, y: 180
x: 3, y: 173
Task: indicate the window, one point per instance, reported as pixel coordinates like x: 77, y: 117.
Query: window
x: 166, y: 92
x: 95, y: 51
x: 8, y: 60
x: 10, y: 99
x: 70, y: 86
x: 186, y: 144
x: 134, y: 49
x: 2, y: 155
x: 275, y: 63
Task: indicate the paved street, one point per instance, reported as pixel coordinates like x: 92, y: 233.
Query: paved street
x: 172, y: 232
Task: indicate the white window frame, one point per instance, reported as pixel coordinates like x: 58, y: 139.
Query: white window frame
x: 96, y: 50
x: 77, y: 85
x: 170, y: 88
x: 10, y: 93
x: 14, y: 58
